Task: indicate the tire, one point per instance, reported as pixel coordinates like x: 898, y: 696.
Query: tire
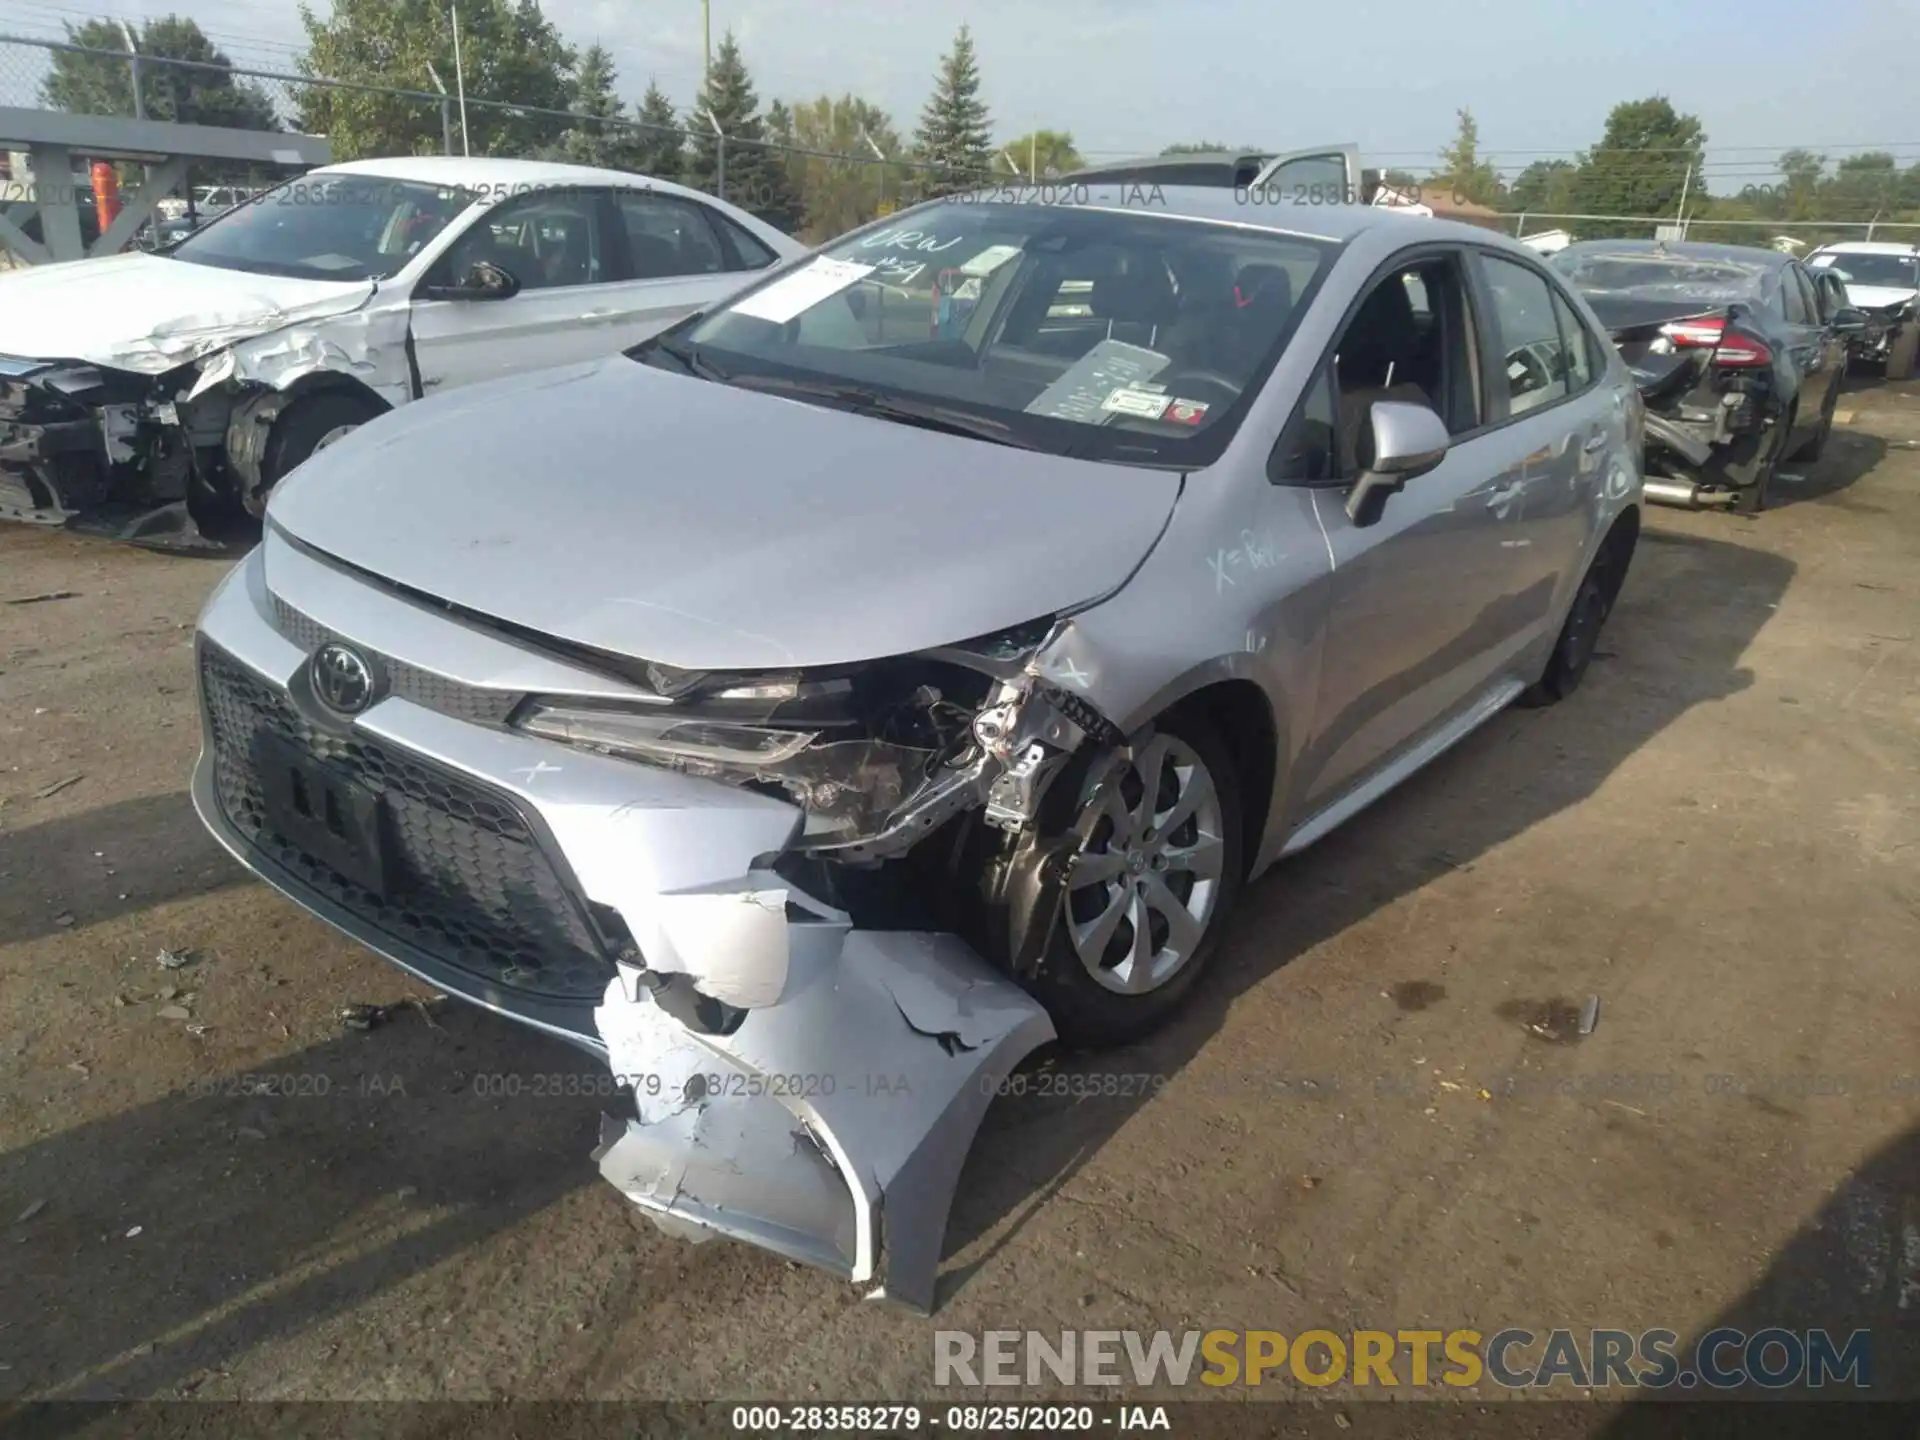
x: 1900, y: 357
x: 304, y: 427
x: 1752, y: 499
x: 1137, y: 870
x: 1810, y: 450
x: 1579, y: 634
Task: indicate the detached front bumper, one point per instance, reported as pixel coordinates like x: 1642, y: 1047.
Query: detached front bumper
x: 571, y: 891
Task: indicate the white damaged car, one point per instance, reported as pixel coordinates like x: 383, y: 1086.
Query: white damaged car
x: 143, y: 388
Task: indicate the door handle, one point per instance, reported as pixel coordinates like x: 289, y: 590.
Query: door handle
x: 1505, y: 495
x: 1595, y: 443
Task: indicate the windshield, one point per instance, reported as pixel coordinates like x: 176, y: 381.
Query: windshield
x: 1123, y: 336
x: 327, y: 227
x: 1897, y: 272
x: 1653, y: 276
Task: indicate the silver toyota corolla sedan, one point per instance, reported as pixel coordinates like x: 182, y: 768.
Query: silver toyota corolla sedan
x: 912, y: 659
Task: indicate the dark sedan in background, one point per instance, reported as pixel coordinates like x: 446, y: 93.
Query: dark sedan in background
x: 1737, y: 360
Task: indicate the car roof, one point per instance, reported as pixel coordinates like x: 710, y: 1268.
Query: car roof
x: 1758, y: 255
x: 486, y: 173
x: 1218, y: 205
x: 1866, y: 247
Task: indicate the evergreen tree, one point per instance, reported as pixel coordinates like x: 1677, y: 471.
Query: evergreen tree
x: 658, y: 148
x: 607, y: 142
x: 756, y: 178
x: 954, y: 140
x: 1463, y: 172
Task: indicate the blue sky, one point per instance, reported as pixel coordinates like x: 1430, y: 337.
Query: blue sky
x: 1129, y: 76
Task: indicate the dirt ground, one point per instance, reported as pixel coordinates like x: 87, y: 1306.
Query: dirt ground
x: 1380, y: 1113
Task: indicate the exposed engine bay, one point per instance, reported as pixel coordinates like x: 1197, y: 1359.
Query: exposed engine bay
x: 154, y: 459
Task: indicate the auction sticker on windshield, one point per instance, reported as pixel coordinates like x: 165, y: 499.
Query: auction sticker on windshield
x: 1147, y: 404
x: 792, y: 296
x: 1109, y: 367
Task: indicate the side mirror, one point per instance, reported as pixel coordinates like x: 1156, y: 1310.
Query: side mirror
x: 482, y: 280
x: 1406, y: 440
x: 1849, y: 320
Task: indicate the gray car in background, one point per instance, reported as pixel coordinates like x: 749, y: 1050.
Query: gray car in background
x: 911, y: 660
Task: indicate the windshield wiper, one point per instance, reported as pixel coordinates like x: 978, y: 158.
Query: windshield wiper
x: 692, y: 360
x: 863, y: 401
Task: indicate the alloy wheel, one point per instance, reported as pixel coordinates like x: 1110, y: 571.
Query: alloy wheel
x: 1147, y: 880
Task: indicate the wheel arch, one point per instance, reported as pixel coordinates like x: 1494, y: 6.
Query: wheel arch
x: 1241, y: 711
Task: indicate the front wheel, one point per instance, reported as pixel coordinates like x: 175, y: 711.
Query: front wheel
x: 304, y: 428
x: 1157, y: 874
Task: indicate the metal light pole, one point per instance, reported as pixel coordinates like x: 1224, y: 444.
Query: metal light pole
x: 881, y: 156
x: 139, y: 100
x: 460, y: 80
x: 446, y: 111
x: 706, y: 27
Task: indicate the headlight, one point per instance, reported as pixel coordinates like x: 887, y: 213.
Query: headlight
x: 666, y: 739
x: 847, y: 787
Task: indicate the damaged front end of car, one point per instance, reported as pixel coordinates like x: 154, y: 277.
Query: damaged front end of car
x: 165, y: 442
x: 89, y: 447
x: 791, y: 910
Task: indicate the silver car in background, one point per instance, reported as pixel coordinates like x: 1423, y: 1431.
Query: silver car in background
x: 832, y: 700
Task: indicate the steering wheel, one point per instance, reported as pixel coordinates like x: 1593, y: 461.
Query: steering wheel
x: 1182, y: 382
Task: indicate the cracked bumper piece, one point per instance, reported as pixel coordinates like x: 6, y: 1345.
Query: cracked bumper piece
x: 830, y: 1128
x: 827, y: 1121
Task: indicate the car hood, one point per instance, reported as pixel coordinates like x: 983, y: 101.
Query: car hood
x: 148, y: 314
x: 1877, y: 297
x: 657, y: 516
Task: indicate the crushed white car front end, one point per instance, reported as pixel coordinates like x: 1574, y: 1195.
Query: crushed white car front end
x: 797, y: 1082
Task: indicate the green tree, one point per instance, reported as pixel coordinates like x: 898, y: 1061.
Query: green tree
x: 837, y: 195
x: 603, y: 140
x: 93, y: 85
x: 1544, y: 188
x: 1044, y: 152
x: 510, y: 51
x: 1462, y: 171
x: 658, y: 144
x: 756, y: 177
x: 1648, y: 156
x: 954, y: 140
x: 1863, y: 187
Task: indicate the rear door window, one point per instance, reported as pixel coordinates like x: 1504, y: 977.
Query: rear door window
x: 1530, y: 366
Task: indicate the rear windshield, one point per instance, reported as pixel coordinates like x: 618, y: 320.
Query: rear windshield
x: 1896, y: 272
x: 1660, y: 277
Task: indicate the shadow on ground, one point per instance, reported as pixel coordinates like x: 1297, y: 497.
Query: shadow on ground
x: 1848, y: 456
x: 151, y: 851
x: 246, y: 1208
x: 233, y: 1251
x: 1691, y: 607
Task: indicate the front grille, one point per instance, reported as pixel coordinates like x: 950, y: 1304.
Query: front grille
x: 470, y: 884
x: 410, y: 682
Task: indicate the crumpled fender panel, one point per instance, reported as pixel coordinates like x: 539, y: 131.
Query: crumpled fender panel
x: 832, y: 1127
x: 831, y: 1123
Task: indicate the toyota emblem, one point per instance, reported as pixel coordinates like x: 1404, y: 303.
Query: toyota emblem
x: 342, y: 679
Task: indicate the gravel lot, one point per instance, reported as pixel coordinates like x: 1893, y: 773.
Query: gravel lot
x: 1379, y: 1114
